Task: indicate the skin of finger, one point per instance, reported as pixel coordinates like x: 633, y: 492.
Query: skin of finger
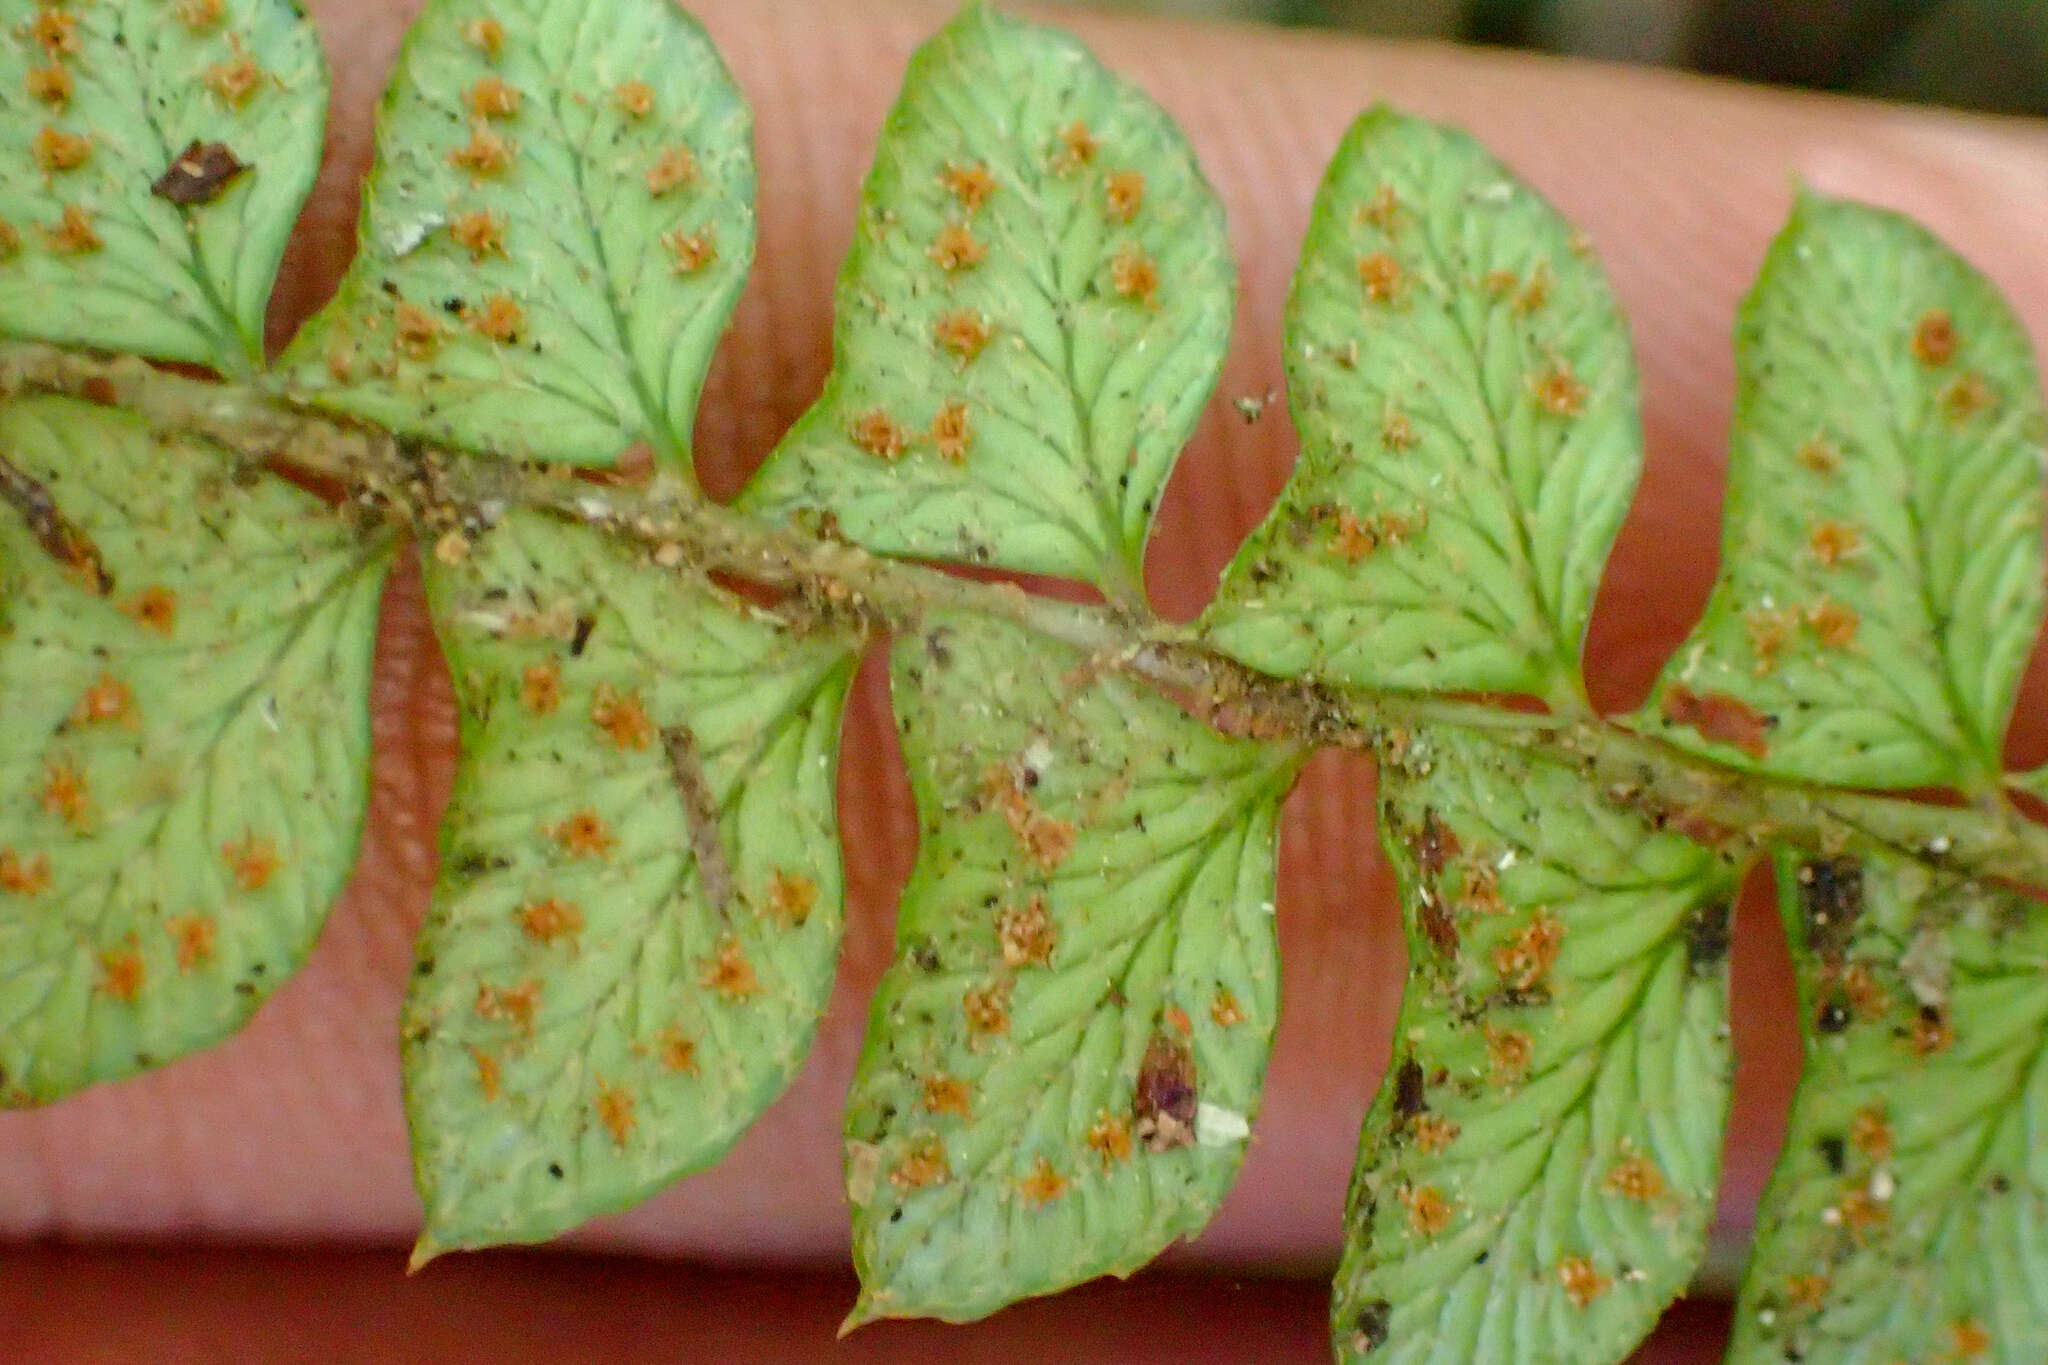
x: 292, y: 1131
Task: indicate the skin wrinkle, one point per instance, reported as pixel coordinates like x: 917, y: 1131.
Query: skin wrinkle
x: 292, y: 1129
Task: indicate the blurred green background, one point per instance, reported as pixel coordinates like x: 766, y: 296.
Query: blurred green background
x: 1974, y: 54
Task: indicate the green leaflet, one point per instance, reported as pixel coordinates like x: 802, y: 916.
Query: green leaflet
x: 184, y: 760
x: 1908, y: 1217
x: 102, y: 102
x: 1537, y: 1172
x: 1035, y: 309
x: 555, y: 230
x: 1467, y: 405
x: 638, y: 909
x: 1063, y: 1063
x: 1881, y: 564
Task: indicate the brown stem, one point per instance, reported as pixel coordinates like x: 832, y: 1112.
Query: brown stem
x: 60, y: 540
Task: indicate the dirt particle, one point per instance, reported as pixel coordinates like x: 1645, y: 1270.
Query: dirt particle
x: 674, y: 168
x: 1382, y: 277
x: 492, y: 98
x: 121, y: 974
x: 24, y: 875
x: 947, y: 1095
x: 74, y: 234
x: 1557, y: 390
x: 1719, y: 716
x: 486, y: 35
x: 635, y: 99
x: 969, y: 185
x: 540, y: 688
x: 876, y: 432
x: 1370, y: 1325
x: 1830, y: 901
x: 1410, y: 1089
x: 253, y: 862
x: 64, y: 793
x: 987, y: 1008
x: 693, y: 251
x: 923, y: 1165
x: 50, y: 84
x: 1708, y: 933
x: 963, y: 332
x: 1635, y: 1177
x: 729, y: 973
x: 615, y: 1111
x: 955, y: 249
x: 1026, y: 934
x: 551, y: 920
x: 1429, y: 1212
x: 1932, y: 1032
x: 513, y: 1005
x: 952, y: 432
x: 622, y: 718
x: 791, y: 898
x: 481, y: 232
x: 1582, y: 1282
x: 1164, y: 1102
x: 584, y: 835
x: 1934, y: 338
x: 1110, y: 1139
x: 485, y: 154
x: 1134, y: 276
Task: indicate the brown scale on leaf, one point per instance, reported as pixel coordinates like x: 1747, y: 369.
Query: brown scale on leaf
x: 480, y: 232
x: 500, y: 319
x: 485, y: 154
x: 1831, y: 542
x: 1558, y: 390
x: 1411, y: 1090
x: 1224, y: 1009
x: 513, y: 1005
x: 192, y: 939
x: 235, y: 81
x: 955, y: 249
x: 253, y: 862
x: 1026, y: 934
x: 64, y: 794
x: 1721, y: 717
x: 1582, y: 1282
x: 1382, y: 277
x: 1635, y: 1177
x: 57, y: 151
x: 615, y: 1111
x: 416, y: 332
x: 675, y: 168
x: 876, y: 432
x: 551, y: 920
x: 1932, y: 1032
x: 1110, y: 1139
x: 946, y: 1095
x: 50, y: 84
x: 676, y: 1051
x: 1818, y: 454
x: 791, y: 898
x: 1134, y: 276
x: 1528, y: 957
x: 486, y: 35
x: 1438, y: 923
x: 1508, y: 1052
x: 1164, y: 1102
x: 1043, y: 1185
x: 1833, y: 623
x: 635, y: 99
x: 55, y: 30
x: 922, y: 1166
x: 952, y: 432
x: 1934, y: 338
x: 106, y: 700
x: 24, y: 876
x: 121, y: 975
x: 987, y: 1009
x: 693, y: 251
x: 1124, y: 195
x: 492, y: 97
x: 540, y: 688
x: 729, y: 973
x: 1830, y: 903
x: 1429, y: 1213
x: 490, y: 1077
x: 963, y: 332
x: 74, y: 234
x: 1770, y: 630
x: 1965, y: 396
x: 622, y: 718
x: 1434, y: 845
x: 584, y: 835
x: 199, y: 175
x: 1075, y: 147
x: 970, y: 186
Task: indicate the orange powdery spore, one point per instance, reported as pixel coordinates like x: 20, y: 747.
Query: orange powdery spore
x: 963, y: 332
x: 1635, y: 1177
x: 74, y: 234
x: 192, y: 939
x: 540, y: 688
x: 500, y: 319
x: 10, y: 240
x: 105, y: 701
x: 970, y: 186
x: 1110, y: 1139
x: 486, y: 35
x: 1177, y: 1019
x: 791, y: 898
x: 1830, y: 542
x: 876, y: 432
x: 57, y: 151
x: 1808, y: 1292
x: 729, y: 972
x: 674, y: 168
x: 492, y: 97
x: 1381, y: 209
x: 1968, y: 1340
x: 252, y: 862
x: 485, y: 154
x: 201, y: 16
x: 1124, y: 195
x: 1225, y: 1010
x: 1931, y: 1032
x: 1965, y: 396
x: 1719, y: 716
x: 1508, y: 1052
x: 1026, y: 934
x: 947, y: 1095
x: 676, y: 1051
x: 615, y: 1111
x: 1397, y: 433
x: 489, y: 1076
x: 1934, y: 338
x: 622, y: 717
x: 1582, y: 1282
x: 235, y: 81
x: 1860, y: 1214
x: 1043, y: 1185
x: 1535, y: 294
x: 416, y: 331
x: 550, y: 920
x: 155, y: 607
x: 1870, y: 1133
x: 956, y: 249
x: 1047, y: 840
x: 987, y: 1008
x: 1770, y: 630
x: 1833, y: 623
x: 513, y: 1005
x: 1358, y: 537
x: 65, y: 793
x: 1134, y: 276
x: 1558, y: 391
x: 24, y: 875
x: 922, y: 1166
x: 952, y: 432
x: 480, y: 232
x: 1429, y: 1212
x: 1528, y: 957
x: 634, y: 99
x: 1818, y: 455
x: 584, y: 835
x: 55, y: 30
x: 1074, y: 148
x: 691, y: 252
x: 1432, y: 1133
x: 121, y: 975
x: 1381, y: 277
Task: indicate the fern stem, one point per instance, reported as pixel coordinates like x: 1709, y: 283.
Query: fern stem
x: 447, y: 496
